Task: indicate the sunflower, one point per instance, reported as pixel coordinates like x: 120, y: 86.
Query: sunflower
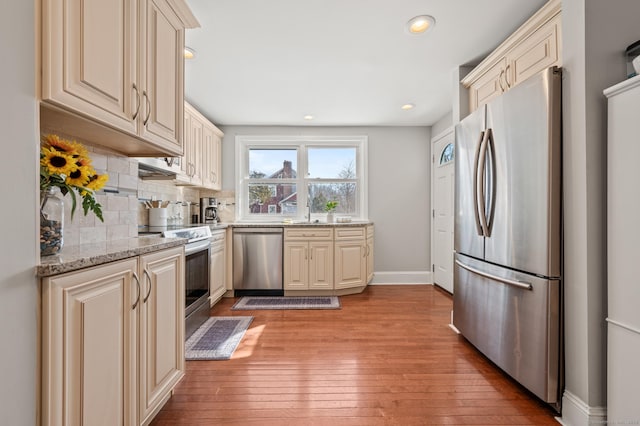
x: 96, y: 182
x: 63, y: 145
x: 57, y: 162
x: 80, y: 176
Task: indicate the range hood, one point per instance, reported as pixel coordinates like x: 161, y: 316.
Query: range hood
x: 156, y: 168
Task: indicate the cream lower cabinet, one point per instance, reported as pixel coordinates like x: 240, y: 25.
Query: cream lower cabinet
x: 308, y: 259
x: 112, y: 340
x: 350, y: 265
x: 369, y: 253
x: 217, y: 286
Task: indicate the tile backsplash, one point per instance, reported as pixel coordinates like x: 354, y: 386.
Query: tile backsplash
x: 122, y: 201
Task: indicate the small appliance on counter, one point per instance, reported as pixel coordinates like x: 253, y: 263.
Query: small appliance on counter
x: 209, y: 210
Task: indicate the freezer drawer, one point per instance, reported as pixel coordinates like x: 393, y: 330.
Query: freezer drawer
x: 514, y: 320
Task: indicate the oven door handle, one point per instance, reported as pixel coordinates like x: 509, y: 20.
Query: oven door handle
x: 196, y: 247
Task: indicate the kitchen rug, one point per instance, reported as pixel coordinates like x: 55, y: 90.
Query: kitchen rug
x: 301, y: 302
x: 217, y: 338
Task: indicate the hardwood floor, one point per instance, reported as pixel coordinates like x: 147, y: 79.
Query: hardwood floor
x: 387, y: 357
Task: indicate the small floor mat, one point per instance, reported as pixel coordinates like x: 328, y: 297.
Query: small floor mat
x: 301, y: 302
x: 217, y: 338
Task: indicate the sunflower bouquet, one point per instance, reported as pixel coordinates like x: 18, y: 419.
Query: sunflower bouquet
x: 66, y: 164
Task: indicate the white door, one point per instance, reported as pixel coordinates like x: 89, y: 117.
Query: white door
x: 442, y: 182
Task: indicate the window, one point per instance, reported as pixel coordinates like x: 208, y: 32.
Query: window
x: 288, y: 177
x: 447, y: 154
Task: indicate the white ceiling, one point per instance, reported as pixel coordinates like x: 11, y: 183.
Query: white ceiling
x: 346, y: 62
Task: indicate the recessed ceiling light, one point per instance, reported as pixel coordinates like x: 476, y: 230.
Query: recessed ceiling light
x: 407, y: 106
x: 420, y: 24
x: 189, y: 53
x: 308, y: 117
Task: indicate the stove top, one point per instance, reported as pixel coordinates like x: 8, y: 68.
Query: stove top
x: 192, y: 233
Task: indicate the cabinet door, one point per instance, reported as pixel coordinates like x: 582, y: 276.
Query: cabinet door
x: 321, y: 265
x: 89, y: 346
x: 215, y: 167
x: 195, y: 151
x: 490, y: 85
x: 217, y: 284
x: 161, y: 327
x: 207, y: 147
x: 350, y: 263
x: 369, y: 259
x: 538, y: 52
x: 89, y: 59
x: 163, y: 75
x: 296, y: 274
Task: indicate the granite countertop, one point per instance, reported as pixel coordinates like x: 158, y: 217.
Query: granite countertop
x: 81, y: 256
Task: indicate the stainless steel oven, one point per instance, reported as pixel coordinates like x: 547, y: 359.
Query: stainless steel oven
x: 197, y: 253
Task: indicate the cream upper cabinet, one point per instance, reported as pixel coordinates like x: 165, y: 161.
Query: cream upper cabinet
x: 113, y: 71
x: 161, y: 347
x: 212, y: 152
x: 112, y: 339
x: 191, y: 164
x: 203, y: 150
x: 162, y: 77
x: 535, y: 46
x: 308, y: 259
x: 350, y: 249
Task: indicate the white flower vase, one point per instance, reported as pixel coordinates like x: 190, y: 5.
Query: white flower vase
x: 330, y: 217
x: 51, y: 221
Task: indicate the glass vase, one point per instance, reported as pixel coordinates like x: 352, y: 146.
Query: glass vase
x: 51, y: 221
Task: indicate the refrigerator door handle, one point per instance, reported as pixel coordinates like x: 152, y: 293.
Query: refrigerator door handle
x: 492, y: 183
x: 475, y: 184
x: 519, y: 284
x: 481, y: 184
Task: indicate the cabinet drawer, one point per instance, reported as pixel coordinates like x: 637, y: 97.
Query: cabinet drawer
x: 350, y: 233
x: 217, y: 236
x: 308, y: 234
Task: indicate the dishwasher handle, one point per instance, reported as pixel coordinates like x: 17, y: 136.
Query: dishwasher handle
x: 258, y: 230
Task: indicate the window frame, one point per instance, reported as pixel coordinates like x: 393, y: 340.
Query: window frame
x: 300, y: 143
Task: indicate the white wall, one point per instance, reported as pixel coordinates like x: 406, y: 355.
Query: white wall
x: 595, y: 34
x: 18, y: 190
x: 399, y: 186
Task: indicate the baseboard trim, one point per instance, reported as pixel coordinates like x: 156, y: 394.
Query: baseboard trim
x: 402, y: 277
x: 575, y: 412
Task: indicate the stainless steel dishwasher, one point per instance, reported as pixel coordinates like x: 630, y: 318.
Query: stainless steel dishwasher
x: 257, y: 261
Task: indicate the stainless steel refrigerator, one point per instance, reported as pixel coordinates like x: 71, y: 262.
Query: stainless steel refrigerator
x: 508, y: 233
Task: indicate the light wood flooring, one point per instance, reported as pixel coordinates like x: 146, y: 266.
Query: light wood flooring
x: 387, y: 357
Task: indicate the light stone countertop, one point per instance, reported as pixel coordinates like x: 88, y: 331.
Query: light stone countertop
x: 72, y: 258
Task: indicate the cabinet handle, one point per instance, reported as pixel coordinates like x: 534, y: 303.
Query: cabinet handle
x: 149, y: 292
x: 500, y: 80
x: 506, y: 74
x: 305, y: 254
x: 135, y: 114
x: 311, y: 253
x: 144, y: 93
x: 364, y: 252
x: 138, y: 284
x: 368, y: 250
